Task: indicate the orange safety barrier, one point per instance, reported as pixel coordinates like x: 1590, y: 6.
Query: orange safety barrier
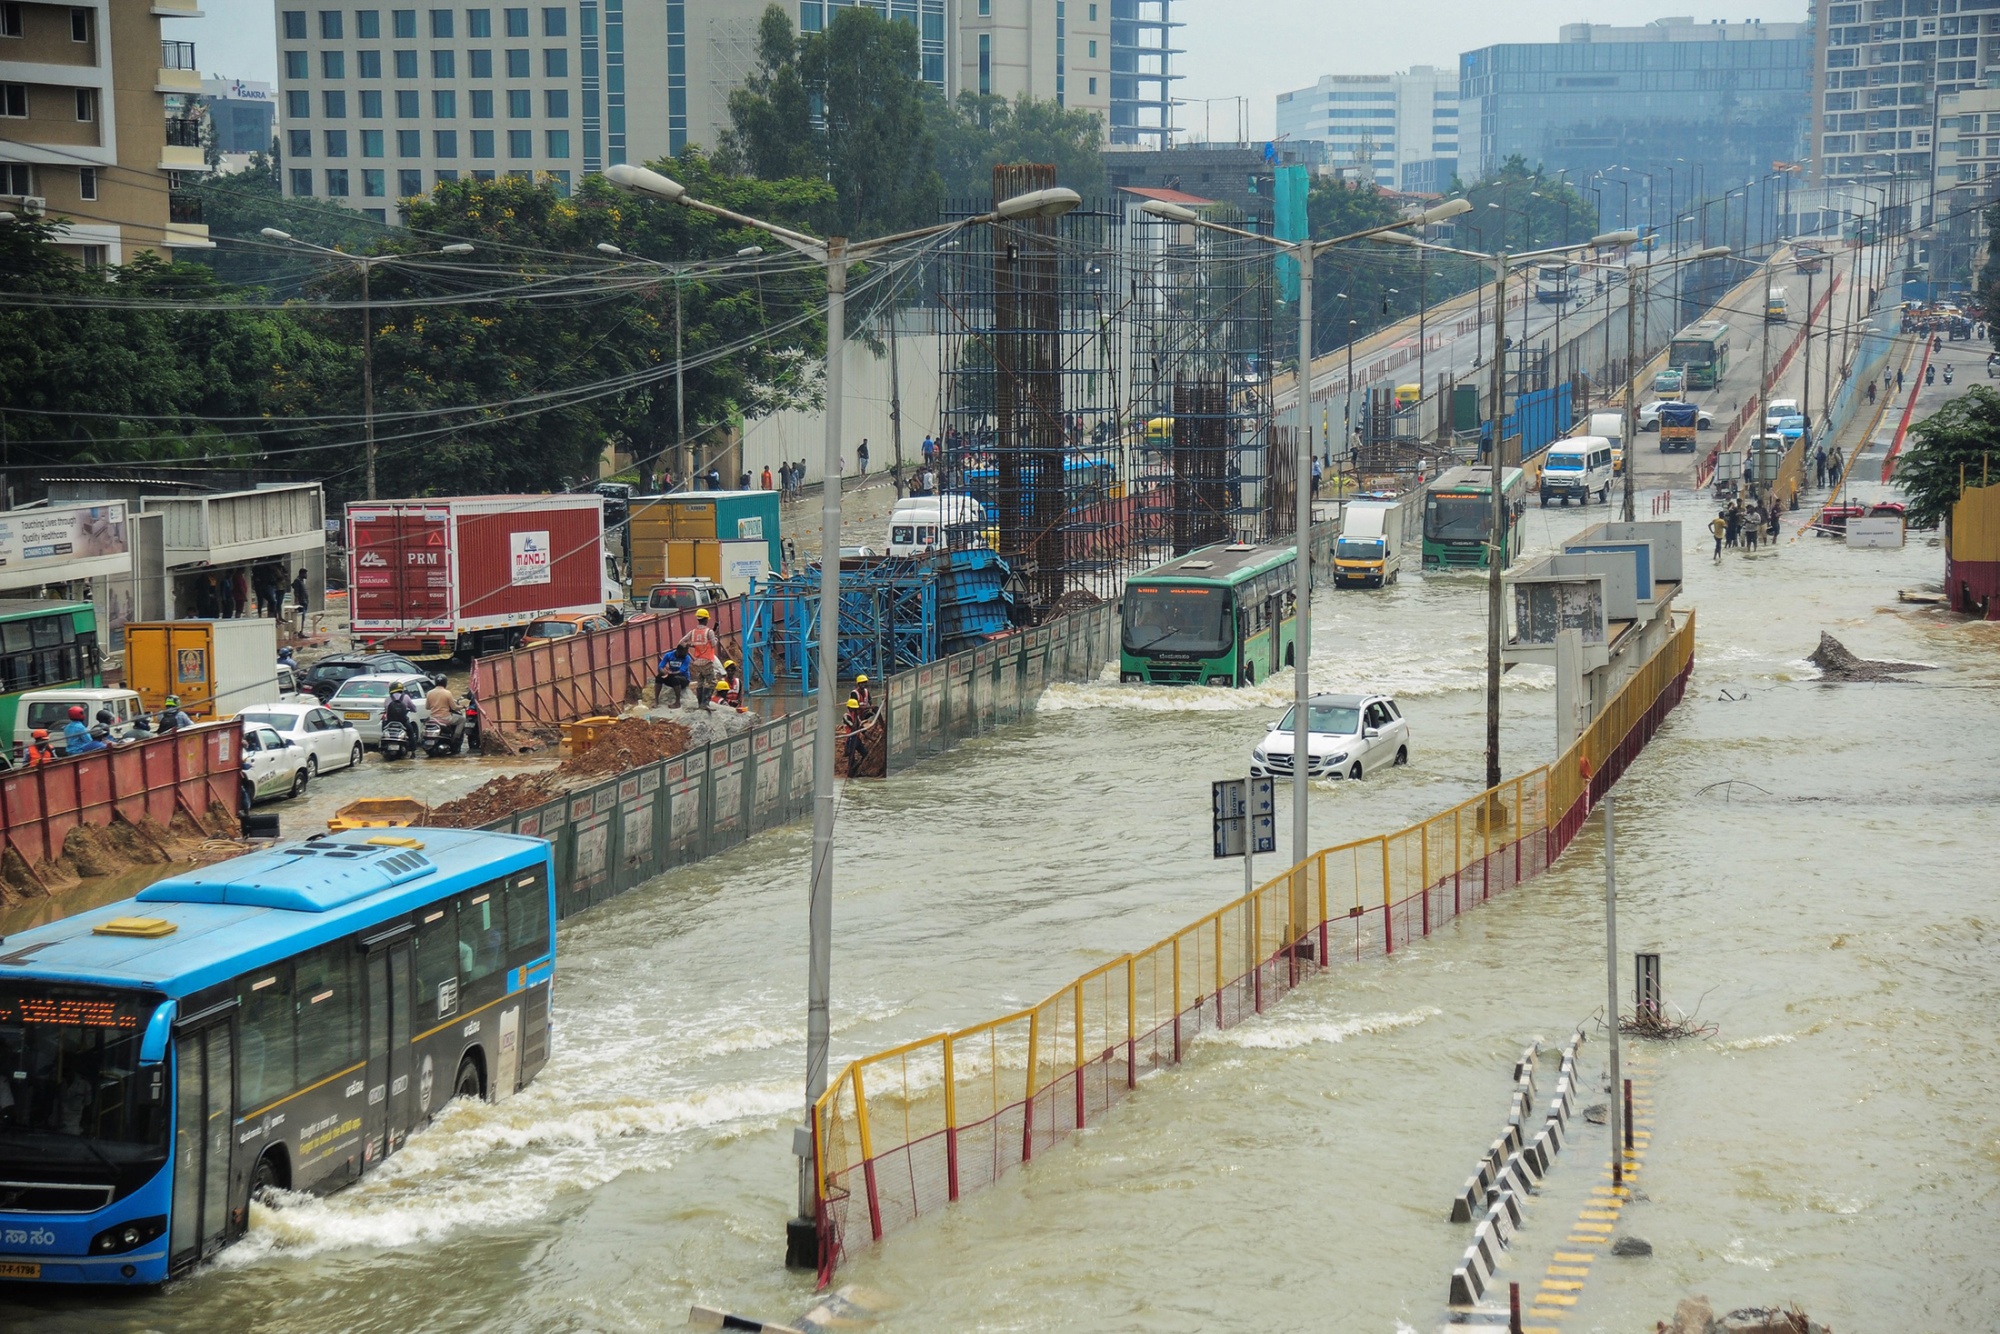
x: 904, y: 1132
x: 546, y: 685
x: 188, y: 772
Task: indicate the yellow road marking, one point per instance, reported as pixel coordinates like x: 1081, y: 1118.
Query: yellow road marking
x: 1561, y: 1285
x: 1553, y: 1299
x: 1574, y: 1259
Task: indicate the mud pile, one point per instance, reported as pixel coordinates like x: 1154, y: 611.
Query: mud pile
x: 1838, y: 664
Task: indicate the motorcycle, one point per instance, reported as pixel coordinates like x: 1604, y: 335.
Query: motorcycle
x: 472, y: 723
x: 443, y: 737
x: 1930, y: 376
x: 1947, y: 375
x: 395, y: 741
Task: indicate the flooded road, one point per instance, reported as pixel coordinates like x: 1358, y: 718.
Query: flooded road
x: 1812, y: 861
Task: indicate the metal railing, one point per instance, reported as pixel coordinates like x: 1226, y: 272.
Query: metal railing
x: 177, y: 55
x: 183, y: 132
x: 904, y: 1132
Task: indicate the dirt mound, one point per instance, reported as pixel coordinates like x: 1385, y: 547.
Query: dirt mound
x: 1833, y: 658
x: 493, y: 801
x: 626, y: 744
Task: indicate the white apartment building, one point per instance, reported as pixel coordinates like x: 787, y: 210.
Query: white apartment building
x: 1400, y: 130
x: 1055, y: 50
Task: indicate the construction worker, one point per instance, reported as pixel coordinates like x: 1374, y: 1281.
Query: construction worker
x: 861, y: 692
x: 671, y: 674
x: 1719, y: 527
x: 172, y: 717
x: 39, y: 751
x: 855, y: 725
x: 731, y: 692
x: 703, y: 649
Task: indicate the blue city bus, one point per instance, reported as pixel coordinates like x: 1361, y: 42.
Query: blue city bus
x: 282, y: 1020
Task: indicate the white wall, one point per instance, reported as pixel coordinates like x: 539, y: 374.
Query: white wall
x: 768, y: 441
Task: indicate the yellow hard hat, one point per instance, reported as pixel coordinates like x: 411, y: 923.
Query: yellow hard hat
x: 729, y: 663
x: 853, y: 702
x: 862, y: 679
x: 701, y: 613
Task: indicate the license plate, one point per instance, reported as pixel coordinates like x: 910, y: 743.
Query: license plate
x: 19, y: 1270
x: 357, y: 716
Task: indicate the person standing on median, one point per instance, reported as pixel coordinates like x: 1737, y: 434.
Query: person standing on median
x: 702, y: 649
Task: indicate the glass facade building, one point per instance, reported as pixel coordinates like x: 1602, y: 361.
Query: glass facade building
x: 1735, y: 98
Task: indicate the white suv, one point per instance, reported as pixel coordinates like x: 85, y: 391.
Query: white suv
x: 1348, y: 736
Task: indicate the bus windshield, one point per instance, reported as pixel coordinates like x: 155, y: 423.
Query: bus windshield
x: 1692, y: 352
x: 1178, y: 619
x: 1457, y: 518
x: 71, y: 1088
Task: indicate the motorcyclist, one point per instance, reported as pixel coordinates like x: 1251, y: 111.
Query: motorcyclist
x: 106, y: 727
x: 172, y: 716
x: 1930, y: 375
x: 399, y: 709
x: 1947, y: 374
x: 77, y: 739
x: 443, y: 708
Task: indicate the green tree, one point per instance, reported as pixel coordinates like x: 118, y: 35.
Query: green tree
x: 772, y: 134
x: 1519, y: 208
x: 522, y: 390
x: 237, y: 206
x: 1986, y: 290
x: 974, y: 134
x: 877, y: 146
x: 1956, y: 446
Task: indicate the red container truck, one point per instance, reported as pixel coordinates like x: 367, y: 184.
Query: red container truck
x: 465, y: 574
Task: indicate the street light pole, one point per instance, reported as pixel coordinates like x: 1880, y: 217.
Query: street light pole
x: 1304, y: 253
x: 366, y: 263
x: 802, y: 1236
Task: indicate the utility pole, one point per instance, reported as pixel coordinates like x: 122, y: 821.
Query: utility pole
x: 1631, y: 385
x: 1805, y: 403
x: 367, y: 378
x: 1496, y: 549
x: 895, y: 403
x: 1764, y: 372
x: 1611, y: 994
x: 683, y: 447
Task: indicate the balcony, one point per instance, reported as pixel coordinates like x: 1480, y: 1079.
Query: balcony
x: 183, y: 132
x: 184, y: 206
x: 178, y: 71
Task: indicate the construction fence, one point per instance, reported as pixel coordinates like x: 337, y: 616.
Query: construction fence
x: 618, y: 834
x: 548, y: 684
x: 904, y: 1132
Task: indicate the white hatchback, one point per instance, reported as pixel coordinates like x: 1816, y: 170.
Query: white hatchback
x: 272, y: 765
x: 1348, y: 736
x: 330, y: 741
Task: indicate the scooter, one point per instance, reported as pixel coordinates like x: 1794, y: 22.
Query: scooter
x: 395, y: 741
x: 472, y: 723
x: 1930, y: 376
x: 1947, y: 375
x: 443, y: 738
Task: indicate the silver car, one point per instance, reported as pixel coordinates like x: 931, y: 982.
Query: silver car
x: 361, y: 699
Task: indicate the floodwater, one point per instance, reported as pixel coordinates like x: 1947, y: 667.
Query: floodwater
x: 1811, y: 860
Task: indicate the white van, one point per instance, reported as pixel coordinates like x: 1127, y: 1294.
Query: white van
x: 921, y: 524
x: 49, y: 709
x: 1576, y: 469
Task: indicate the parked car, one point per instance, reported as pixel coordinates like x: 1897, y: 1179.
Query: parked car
x: 684, y: 595
x: 1649, y: 415
x: 1791, y: 428
x: 361, y: 699
x: 325, y: 676
x: 1777, y: 409
x: 564, y: 626
x: 272, y: 765
x: 1347, y: 736
x: 329, y: 740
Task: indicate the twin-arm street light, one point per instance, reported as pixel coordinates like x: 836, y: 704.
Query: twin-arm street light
x: 837, y: 253
x: 1303, y: 253
x: 1497, y: 539
x: 366, y: 263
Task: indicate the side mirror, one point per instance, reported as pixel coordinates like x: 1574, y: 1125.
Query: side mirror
x: 1371, y: 732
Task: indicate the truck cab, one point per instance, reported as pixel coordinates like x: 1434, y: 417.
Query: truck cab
x: 1369, y: 551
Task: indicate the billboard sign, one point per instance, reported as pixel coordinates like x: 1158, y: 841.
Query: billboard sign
x: 531, y: 560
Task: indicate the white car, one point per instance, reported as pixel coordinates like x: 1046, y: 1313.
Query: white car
x: 1777, y: 409
x: 273, y: 766
x: 1348, y: 736
x: 361, y: 699
x: 1649, y: 415
x: 329, y: 740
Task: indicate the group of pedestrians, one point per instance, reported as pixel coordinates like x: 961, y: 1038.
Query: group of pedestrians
x: 1743, y: 525
x: 229, y: 594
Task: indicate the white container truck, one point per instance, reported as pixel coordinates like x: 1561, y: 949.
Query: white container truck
x: 1369, y: 551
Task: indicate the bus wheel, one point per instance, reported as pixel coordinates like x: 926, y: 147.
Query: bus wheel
x: 269, y: 1176
x: 1249, y: 675
x: 1289, y: 648
x: 469, y: 1084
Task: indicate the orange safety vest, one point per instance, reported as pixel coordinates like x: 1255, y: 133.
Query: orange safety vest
x: 701, y: 643
x: 39, y: 755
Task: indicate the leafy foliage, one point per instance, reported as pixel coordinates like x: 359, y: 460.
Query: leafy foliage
x: 974, y: 134
x: 1956, y: 446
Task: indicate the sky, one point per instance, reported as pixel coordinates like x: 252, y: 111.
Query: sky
x: 1235, y: 49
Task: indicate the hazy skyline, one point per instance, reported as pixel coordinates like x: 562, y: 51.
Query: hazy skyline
x: 1248, y: 49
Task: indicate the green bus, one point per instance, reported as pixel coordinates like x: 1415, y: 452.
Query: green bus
x: 43, y: 646
x: 1220, y: 616
x: 1701, y: 353
x: 1458, y: 517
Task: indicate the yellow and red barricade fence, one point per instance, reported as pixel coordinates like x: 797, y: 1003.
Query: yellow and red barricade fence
x: 904, y: 1132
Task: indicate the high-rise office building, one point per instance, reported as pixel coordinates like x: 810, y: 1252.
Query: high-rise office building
x: 1879, y: 68
x: 100, y: 120
x: 1397, y: 130
x: 1142, y: 76
x: 1734, y: 97
x: 1055, y: 50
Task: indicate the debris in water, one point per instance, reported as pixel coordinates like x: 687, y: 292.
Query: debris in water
x: 1631, y: 1246
x: 1837, y: 664
x: 1596, y: 1113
